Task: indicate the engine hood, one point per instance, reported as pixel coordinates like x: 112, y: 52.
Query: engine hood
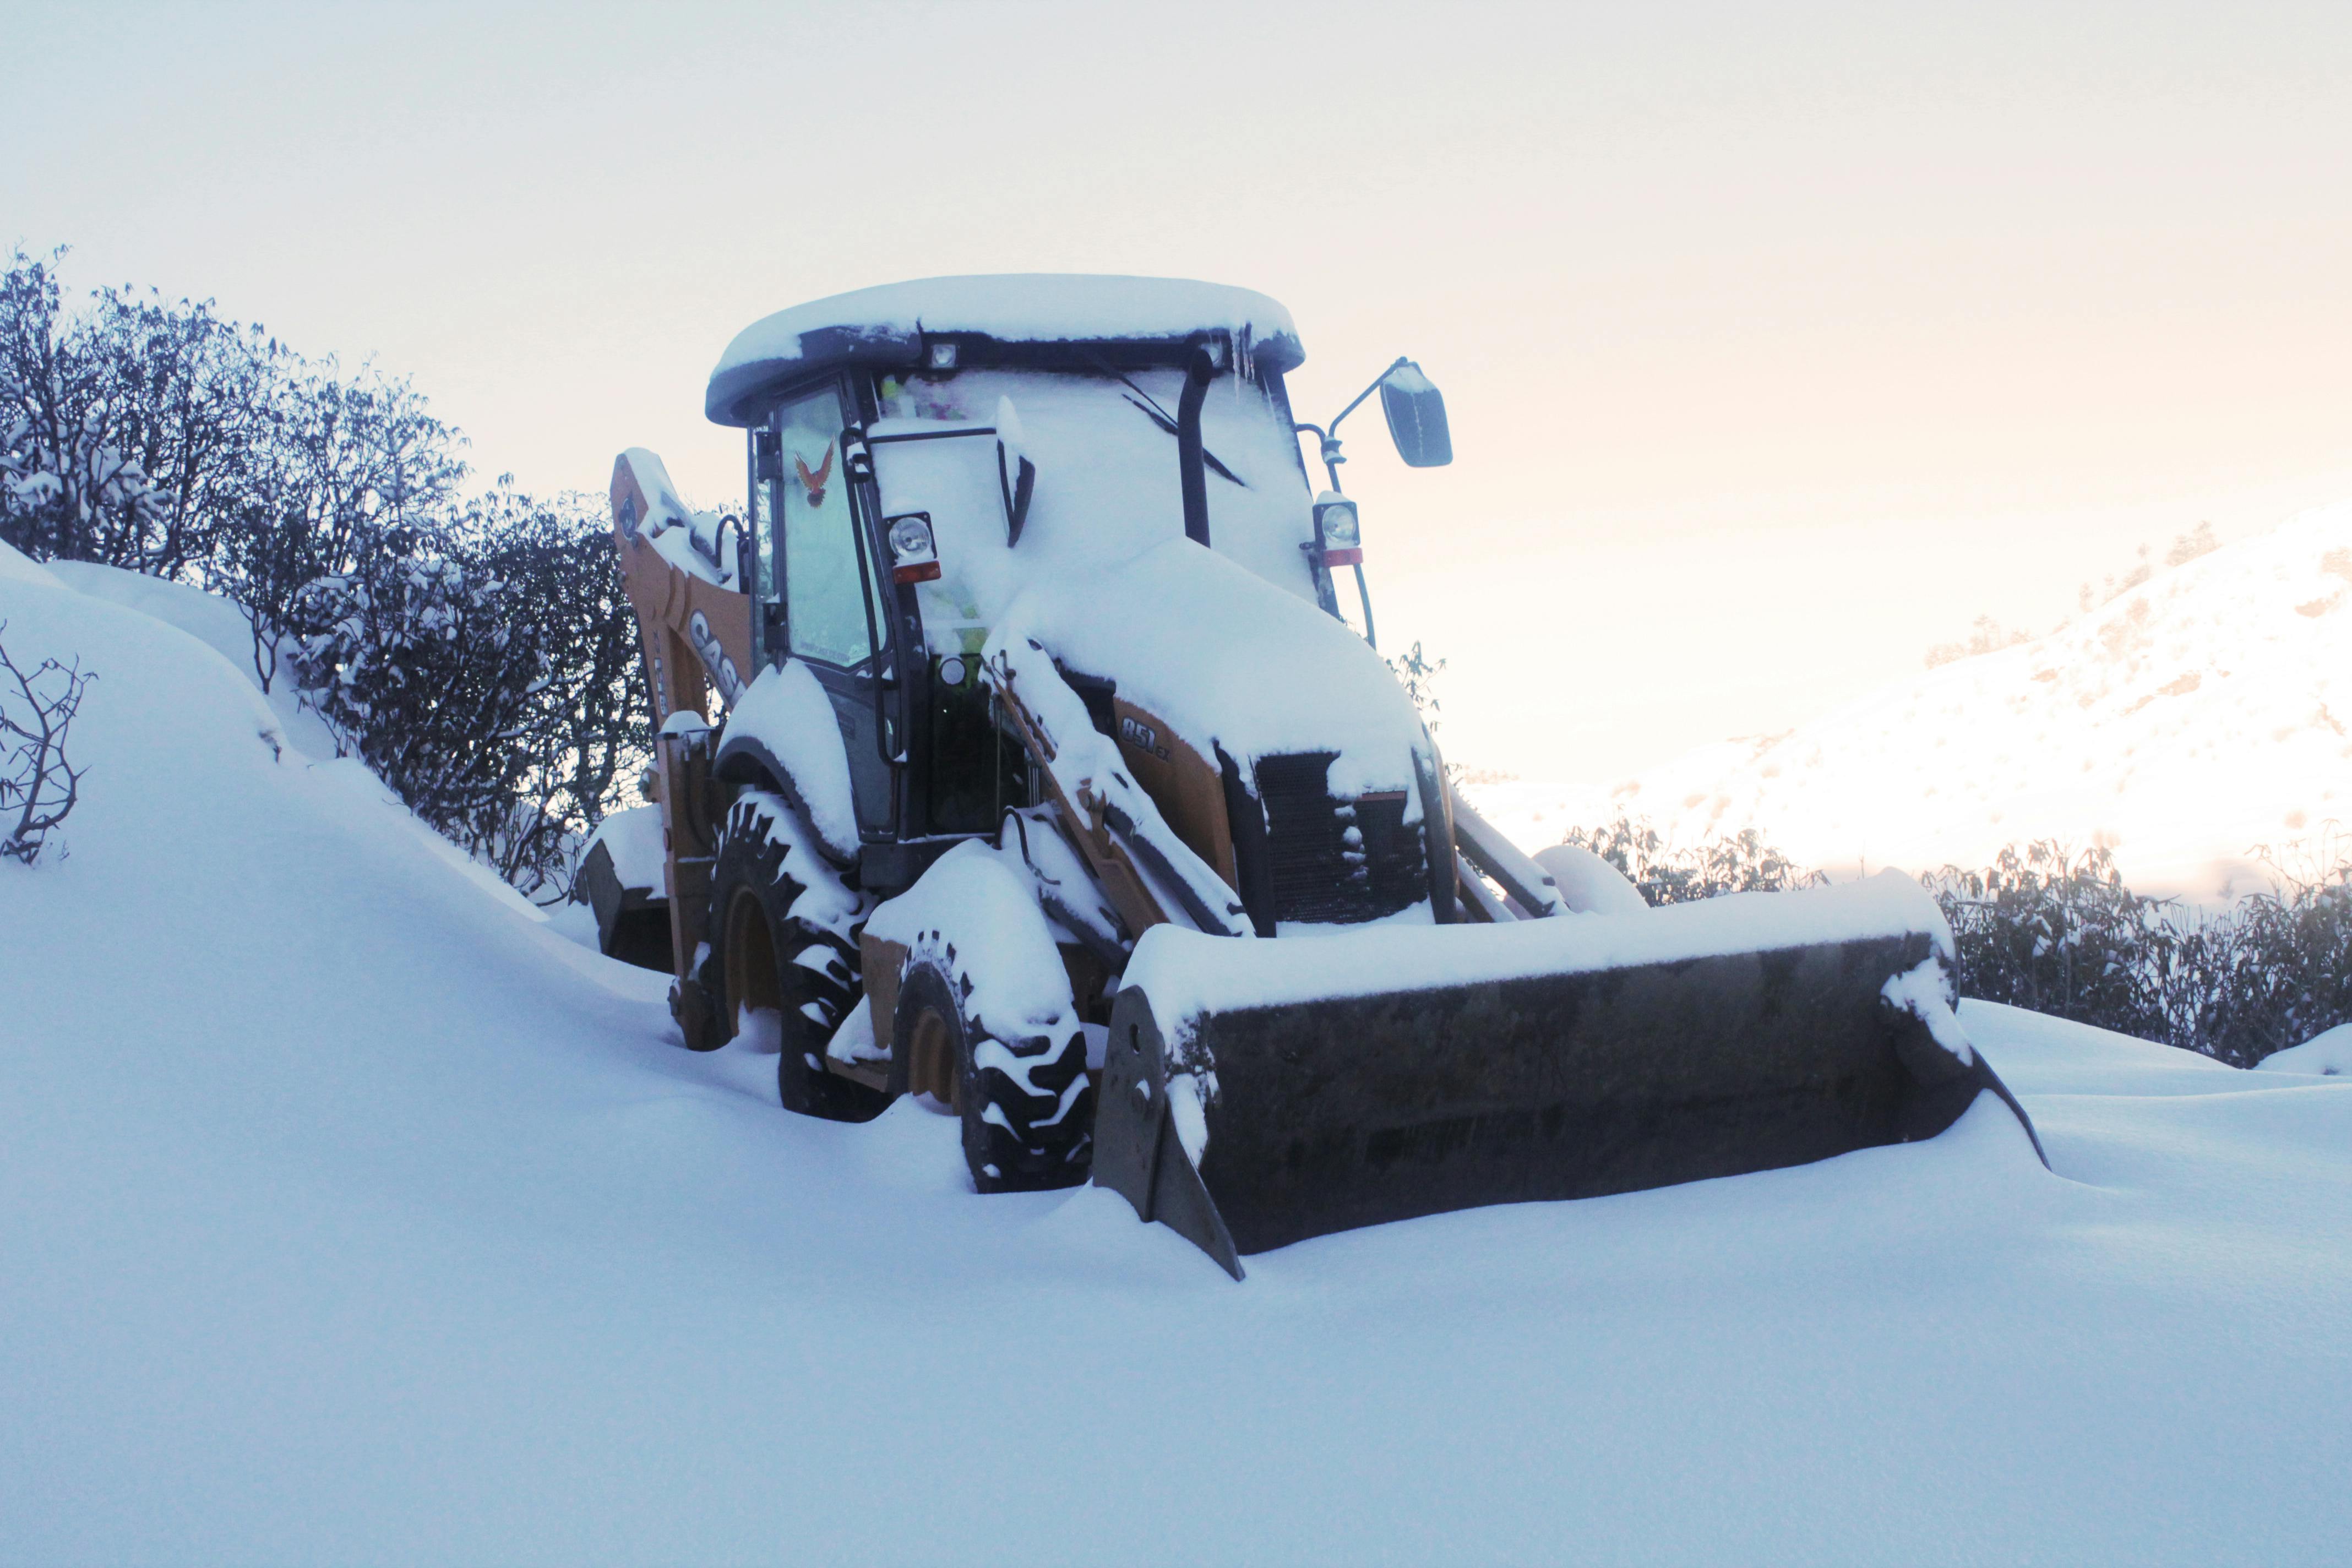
x: 1230, y: 662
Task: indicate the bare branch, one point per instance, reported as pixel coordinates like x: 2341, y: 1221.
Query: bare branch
x: 37, y: 778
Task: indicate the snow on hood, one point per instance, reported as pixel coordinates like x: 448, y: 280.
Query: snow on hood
x: 885, y: 324
x: 1228, y: 660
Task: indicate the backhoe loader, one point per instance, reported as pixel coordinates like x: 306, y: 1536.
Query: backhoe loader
x: 1049, y: 778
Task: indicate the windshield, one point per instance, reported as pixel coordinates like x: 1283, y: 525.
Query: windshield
x: 1107, y: 487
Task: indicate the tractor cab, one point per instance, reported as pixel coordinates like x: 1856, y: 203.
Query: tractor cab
x: 920, y: 452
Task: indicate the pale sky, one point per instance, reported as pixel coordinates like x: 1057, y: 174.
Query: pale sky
x: 1778, y: 343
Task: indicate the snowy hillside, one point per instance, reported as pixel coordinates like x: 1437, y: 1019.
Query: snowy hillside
x: 351, y: 1215
x: 2192, y: 718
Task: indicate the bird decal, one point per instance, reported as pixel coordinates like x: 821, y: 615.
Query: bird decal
x: 815, y: 483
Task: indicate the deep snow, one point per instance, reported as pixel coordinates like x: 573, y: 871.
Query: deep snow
x: 351, y: 1215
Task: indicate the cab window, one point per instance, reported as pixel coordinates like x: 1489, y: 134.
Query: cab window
x: 825, y: 605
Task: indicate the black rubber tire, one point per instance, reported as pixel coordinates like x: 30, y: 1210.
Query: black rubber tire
x: 1025, y: 1147
x: 811, y: 998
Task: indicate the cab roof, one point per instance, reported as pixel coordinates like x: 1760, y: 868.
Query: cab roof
x: 1043, y: 318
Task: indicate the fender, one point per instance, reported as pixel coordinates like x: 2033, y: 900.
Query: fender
x: 783, y: 734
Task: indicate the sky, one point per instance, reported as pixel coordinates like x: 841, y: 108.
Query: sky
x: 1778, y: 343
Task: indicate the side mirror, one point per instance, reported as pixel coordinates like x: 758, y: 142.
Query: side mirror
x: 1416, y: 412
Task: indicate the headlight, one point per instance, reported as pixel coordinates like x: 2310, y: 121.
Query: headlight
x: 910, y: 537
x: 1336, y: 530
x: 914, y: 557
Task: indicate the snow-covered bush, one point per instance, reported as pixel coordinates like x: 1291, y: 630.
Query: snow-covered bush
x: 129, y: 430
x: 39, y: 785
x: 1668, y: 874
x: 486, y: 671
x: 418, y: 661
x: 587, y: 733
x: 350, y: 463
x: 479, y: 653
x: 2273, y: 972
x: 2060, y: 934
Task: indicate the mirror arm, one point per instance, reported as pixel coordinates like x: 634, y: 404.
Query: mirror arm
x: 1401, y: 360
x: 1330, y: 453
x: 1330, y: 438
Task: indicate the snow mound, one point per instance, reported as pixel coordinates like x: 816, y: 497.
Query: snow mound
x: 2196, y: 717
x: 16, y: 566
x: 217, y: 623
x: 2327, y: 1054
x: 207, y: 617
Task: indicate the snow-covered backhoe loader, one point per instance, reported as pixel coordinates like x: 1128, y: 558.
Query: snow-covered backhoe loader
x: 1052, y: 782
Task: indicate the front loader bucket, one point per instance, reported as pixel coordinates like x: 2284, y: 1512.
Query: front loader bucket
x: 1256, y: 1094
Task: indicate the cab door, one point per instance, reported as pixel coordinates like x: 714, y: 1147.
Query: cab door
x: 833, y: 613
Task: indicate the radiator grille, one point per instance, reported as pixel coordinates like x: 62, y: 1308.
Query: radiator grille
x: 1318, y: 873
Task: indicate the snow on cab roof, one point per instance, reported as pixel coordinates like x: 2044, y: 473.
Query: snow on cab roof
x: 886, y: 325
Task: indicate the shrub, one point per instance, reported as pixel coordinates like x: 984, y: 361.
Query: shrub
x: 129, y: 431
x: 1742, y: 863
x: 1988, y: 635
x: 2059, y: 934
x: 478, y: 654
x: 39, y: 786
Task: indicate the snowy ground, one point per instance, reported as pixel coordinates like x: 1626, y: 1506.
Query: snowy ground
x: 2184, y: 724
x: 351, y: 1215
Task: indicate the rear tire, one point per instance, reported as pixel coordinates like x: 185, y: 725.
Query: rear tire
x: 765, y: 954
x: 1027, y: 1106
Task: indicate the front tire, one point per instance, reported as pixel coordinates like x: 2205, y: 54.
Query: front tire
x: 1026, y: 1105
x: 783, y: 937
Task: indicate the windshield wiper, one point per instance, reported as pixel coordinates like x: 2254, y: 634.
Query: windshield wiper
x: 1160, y: 416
